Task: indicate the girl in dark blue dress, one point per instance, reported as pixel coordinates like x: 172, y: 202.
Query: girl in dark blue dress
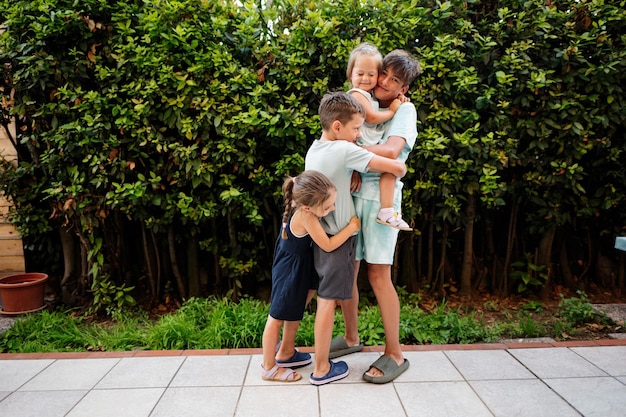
x: 308, y: 197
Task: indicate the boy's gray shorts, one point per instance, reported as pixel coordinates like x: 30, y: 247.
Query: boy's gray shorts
x: 336, y: 270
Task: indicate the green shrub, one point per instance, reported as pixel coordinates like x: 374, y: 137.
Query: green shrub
x: 576, y: 310
x: 155, y: 134
x: 441, y: 327
x: 45, y: 332
x: 562, y: 330
x: 211, y: 324
x: 529, y: 327
x: 533, y: 306
x: 371, y: 329
x: 218, y: 323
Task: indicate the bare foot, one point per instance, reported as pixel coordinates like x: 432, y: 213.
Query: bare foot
x: 352, y: 344
x: 284, y: 353
x: 375, y: 372
x: 281, y: 356
x: 318, y: 373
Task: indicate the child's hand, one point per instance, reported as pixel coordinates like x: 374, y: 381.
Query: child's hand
x: 355, y: 182
x: 395, y: 105
x: 403, y: 98
x: 355, y: 223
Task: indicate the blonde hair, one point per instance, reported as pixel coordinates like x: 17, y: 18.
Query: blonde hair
x: 338, y: 106
x: 310, y: 188
x: 363, y: 49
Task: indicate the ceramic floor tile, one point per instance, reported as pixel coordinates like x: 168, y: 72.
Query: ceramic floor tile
x: 15, y: 373
x: 608, y: 358
x: 288, y: 401
x: 211, y: 371
x: 69, y: 374
x: 40, y: 403
x: 593, y: 397
x: 522, y: 398
x: 455, y: 383
x: 429, y: 366
x: 440, y: 399
x: 197, y: 402
x: 358, y: 364
x: 487, y: 364
x: 555, y: 363
x: 362, y: 399
x: 149, y: 372
x: 118, y: 403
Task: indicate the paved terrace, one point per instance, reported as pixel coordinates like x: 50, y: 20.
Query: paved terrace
x: 503, y: 379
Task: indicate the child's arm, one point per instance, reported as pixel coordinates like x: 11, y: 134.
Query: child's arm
x: 390, y: 149
x: 403, y: 98
x: 355, y: 181
x: 382, y: 164
x: 375, y: 117
x: 328, y: 244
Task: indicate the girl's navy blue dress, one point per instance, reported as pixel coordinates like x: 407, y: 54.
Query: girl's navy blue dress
x: 293, y: 274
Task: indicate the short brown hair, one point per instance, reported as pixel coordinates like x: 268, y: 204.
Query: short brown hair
x: 338, y: 106
x: 404, y: 65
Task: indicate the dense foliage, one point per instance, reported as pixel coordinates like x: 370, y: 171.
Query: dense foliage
x: 153, y: 137
x: 219, y: 323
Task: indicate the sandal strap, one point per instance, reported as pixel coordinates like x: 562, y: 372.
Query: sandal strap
x: 272, y: 374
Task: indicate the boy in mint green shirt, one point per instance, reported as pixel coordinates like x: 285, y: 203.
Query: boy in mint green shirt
x: 336, y: 155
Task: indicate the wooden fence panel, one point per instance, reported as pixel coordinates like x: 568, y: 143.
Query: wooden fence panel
x: 11, y: 247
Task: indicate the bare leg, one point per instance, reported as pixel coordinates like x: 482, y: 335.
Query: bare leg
x: 270, y: 335
x: 387, y: 215
x: 290, y: 328
x: 324, y: 320
x: 380, y: 279
x: 350, y: 310
x: 288, y: 345
x: 310, y: 296
x: 387, y: 187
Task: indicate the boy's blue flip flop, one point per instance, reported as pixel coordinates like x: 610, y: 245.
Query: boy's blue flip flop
x: 339, y: 347
x: 298, y: 360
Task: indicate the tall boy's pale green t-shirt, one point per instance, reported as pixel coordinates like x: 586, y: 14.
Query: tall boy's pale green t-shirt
x: 404, y: 125
x: 337, y: 159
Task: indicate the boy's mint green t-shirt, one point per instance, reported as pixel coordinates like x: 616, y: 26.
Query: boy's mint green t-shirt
x: 403, y: 124
x: 337, y: 159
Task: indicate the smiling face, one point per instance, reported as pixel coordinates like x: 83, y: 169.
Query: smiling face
x: 389, y: 87
x: 364, y: 74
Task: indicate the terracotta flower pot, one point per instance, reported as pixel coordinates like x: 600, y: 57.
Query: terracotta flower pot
x: 22, y: 293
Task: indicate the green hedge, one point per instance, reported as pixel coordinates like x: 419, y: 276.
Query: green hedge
x: 155, y: 135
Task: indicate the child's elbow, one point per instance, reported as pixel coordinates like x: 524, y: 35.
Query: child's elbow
x: 401, y: 170
x: 327, y: 249
x: 371, y: 119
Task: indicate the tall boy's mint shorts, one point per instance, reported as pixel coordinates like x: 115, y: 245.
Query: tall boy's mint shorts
x: 376, y: 243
